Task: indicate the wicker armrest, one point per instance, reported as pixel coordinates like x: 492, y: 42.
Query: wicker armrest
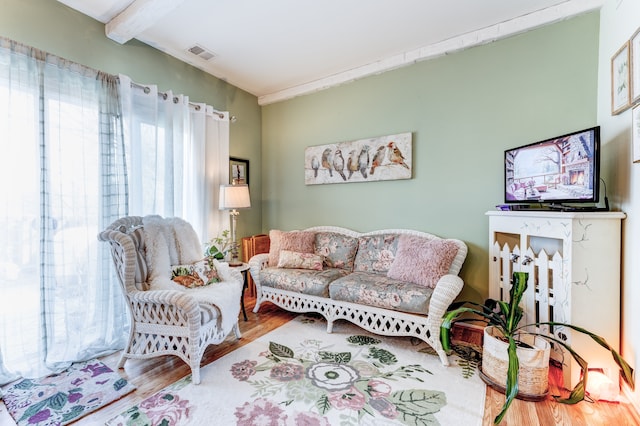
x: 447, y: 289
x: 256, y: 264
x: 163, y: 301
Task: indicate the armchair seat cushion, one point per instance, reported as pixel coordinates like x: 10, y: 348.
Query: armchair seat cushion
x: 306, y: 281
x: 372, y: 289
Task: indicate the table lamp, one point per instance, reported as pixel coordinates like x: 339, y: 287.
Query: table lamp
x: 234, y: 197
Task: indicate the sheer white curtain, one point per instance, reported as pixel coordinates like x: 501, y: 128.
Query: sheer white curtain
x: 81, y: 148
x: 178, y: 155
x: 61, y: 181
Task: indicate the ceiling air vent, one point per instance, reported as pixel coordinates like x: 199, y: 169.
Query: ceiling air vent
x: 201, y: 52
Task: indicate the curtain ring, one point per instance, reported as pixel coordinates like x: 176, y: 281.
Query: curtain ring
x: 146, y: 90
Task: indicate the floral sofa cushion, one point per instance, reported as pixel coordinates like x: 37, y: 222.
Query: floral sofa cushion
x: 306, y: 281
x: 376, y: 253
x: 296, y: 260
x: 338, y: 250
x: 381, y: 291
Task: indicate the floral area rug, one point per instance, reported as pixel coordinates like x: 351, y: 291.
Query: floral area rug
x: 300, y: 375
x: 64, y: 397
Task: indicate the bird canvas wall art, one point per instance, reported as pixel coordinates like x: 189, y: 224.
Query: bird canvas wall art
x: 363, y: 160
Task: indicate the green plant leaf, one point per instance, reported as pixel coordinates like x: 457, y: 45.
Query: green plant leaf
x: 279, y: 350
x: 382, y: 355
x: 25, y: 384
x: 512, y: 379
x: 76, y: 411
x: 363, y: 340
x: 57, y: 401
x: 625, y: 369
x: 335, y: 357
x: 417, y: 406
x: 119, y: 384
x: 518, y: 287
x: 323, y: 404
x: 33, y: 410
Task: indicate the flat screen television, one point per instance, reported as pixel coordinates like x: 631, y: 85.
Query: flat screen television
x: 561, y: 170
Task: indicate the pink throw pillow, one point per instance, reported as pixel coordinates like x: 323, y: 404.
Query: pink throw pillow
x: 274, y: 247
x: 298, y: 241
x: 296, y: 260
x: 422, y: 261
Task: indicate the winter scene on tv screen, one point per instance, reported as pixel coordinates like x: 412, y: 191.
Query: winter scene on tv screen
x: 562, y: 169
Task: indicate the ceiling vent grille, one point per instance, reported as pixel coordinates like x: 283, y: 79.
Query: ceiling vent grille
x: 201, y: 52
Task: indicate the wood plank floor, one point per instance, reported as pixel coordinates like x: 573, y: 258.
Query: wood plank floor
x: 149, y: 376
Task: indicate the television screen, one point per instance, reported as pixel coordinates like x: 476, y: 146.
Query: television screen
x: 564, y: 169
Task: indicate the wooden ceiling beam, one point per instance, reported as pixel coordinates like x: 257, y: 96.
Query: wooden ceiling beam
x: 137, y: 17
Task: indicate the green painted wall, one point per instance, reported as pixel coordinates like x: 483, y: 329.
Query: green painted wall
x: 50, y: 26
x: 464, y: 110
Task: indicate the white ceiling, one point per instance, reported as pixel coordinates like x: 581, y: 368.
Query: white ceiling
x: 278, y: 49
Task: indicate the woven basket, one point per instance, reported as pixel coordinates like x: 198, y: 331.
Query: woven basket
x: 533, y: 376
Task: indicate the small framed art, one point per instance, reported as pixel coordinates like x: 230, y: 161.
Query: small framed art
x: 620, y: 90
x: 238, y: 171
x: 634, y: 45
x: 635, y: 133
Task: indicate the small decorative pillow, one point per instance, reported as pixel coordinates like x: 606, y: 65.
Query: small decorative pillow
x: 197, y: 274
x: 275, y: 235
x: 422, y: 261
x: 297, y: 260
x: 299, y: 241
x: 338, y: 250
x: 376, y: 253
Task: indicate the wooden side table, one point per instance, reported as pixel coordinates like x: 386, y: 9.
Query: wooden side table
x: 244, y: 270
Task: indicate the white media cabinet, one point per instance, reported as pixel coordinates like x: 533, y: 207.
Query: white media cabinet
x: 573, y: 260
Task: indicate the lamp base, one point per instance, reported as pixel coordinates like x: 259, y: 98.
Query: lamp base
x: 235, y: 260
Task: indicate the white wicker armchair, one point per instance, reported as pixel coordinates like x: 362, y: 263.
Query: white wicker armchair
x: 165, y: 322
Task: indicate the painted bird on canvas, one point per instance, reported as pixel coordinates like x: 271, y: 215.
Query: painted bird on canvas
x: 378, y: 158
x: 338, y: 163
x: 363, y: 161
x: 352, y: 162
x: 315, y: 165
x: 327, y: 160
x: 395, y: 156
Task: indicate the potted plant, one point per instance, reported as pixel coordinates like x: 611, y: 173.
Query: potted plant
x: 503, y: 321
x: 219, y: 246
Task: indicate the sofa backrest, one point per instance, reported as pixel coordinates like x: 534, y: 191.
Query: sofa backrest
x: 383, y: 239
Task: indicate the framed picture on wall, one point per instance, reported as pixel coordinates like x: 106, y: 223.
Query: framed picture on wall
x: 635, y: 66
x: 238, y: 171
x: 620, y: 90
x: 635, y: 133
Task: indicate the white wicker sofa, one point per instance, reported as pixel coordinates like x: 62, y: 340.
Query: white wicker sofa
x: 395, y: 282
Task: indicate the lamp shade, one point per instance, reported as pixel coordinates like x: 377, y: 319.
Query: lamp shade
x: 234, y: 197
